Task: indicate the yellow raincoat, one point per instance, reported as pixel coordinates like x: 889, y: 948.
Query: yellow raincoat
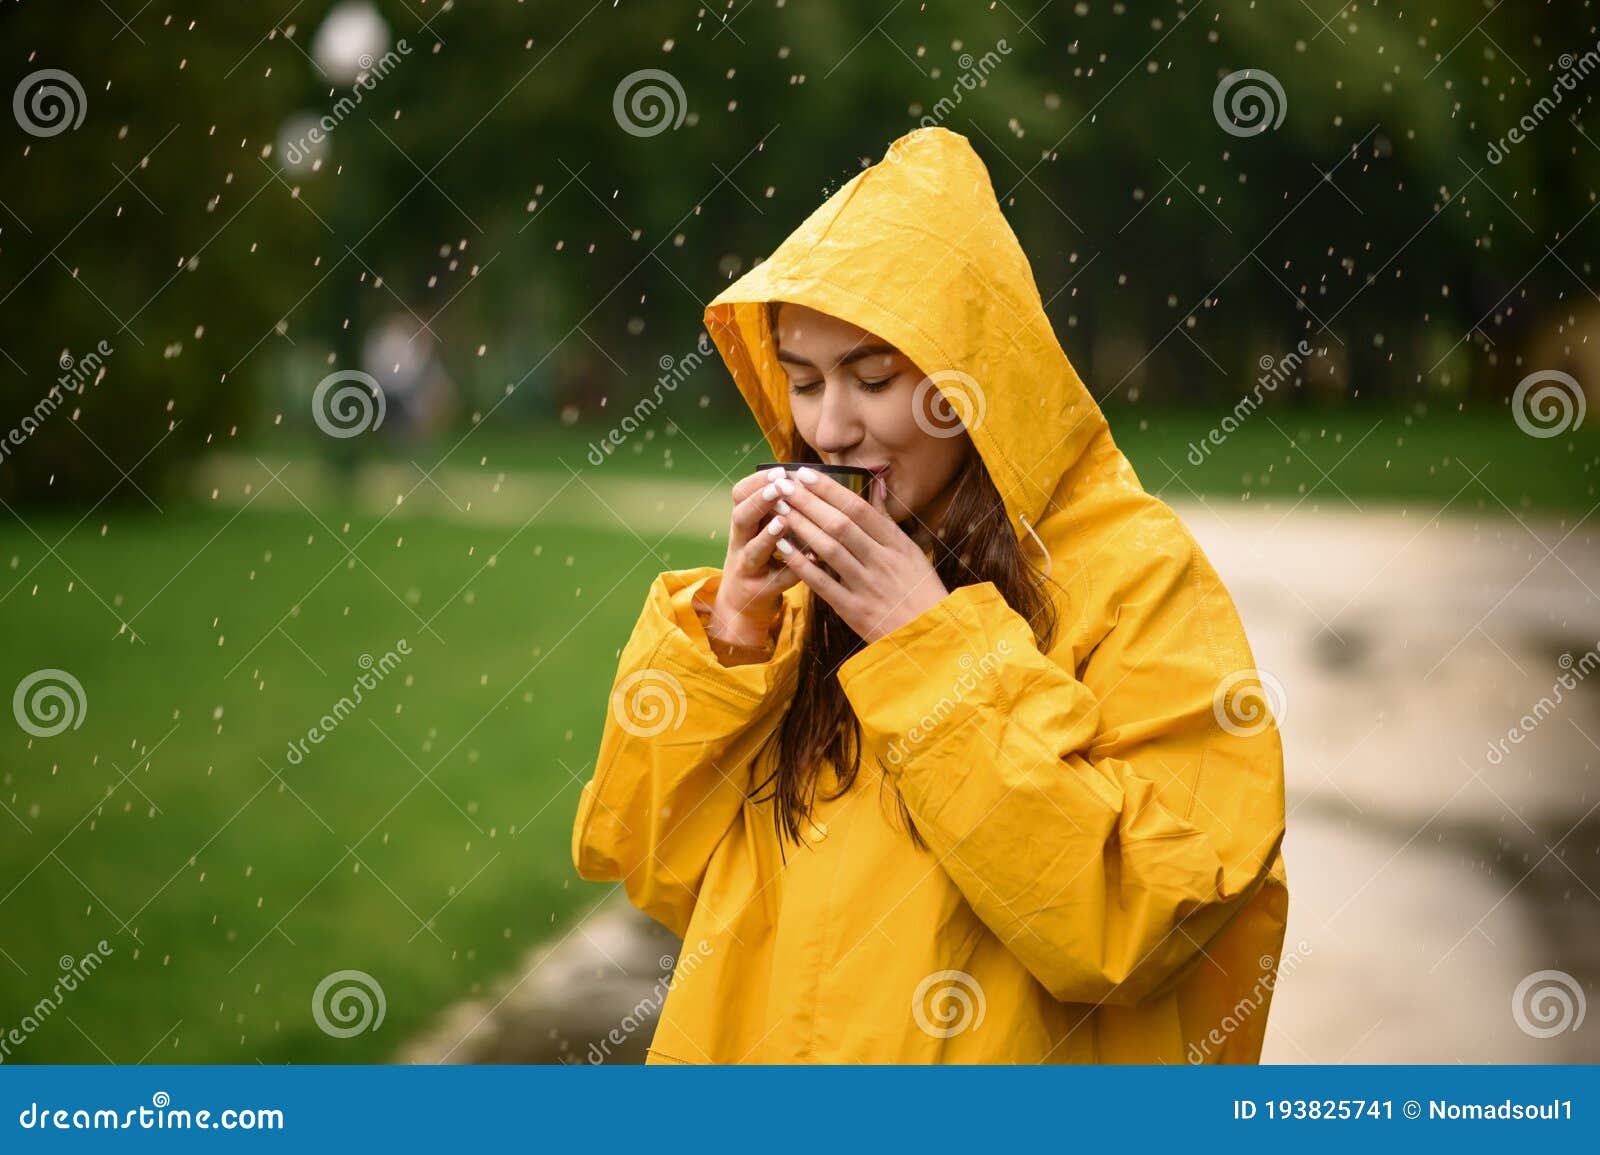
x: 1105, y: 882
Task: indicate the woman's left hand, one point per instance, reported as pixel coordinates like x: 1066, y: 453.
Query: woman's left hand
x: 884, y: 579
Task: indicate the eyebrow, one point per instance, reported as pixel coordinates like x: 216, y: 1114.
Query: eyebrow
x: 851, y: 357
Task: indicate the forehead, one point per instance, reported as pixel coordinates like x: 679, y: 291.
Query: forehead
x: 802, y: 329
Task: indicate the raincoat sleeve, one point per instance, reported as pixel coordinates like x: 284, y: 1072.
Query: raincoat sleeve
x: 1105, y: 828
x: 674, y: 760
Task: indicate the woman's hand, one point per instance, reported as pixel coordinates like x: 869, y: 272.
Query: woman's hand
x: 750, y: 594
x: 881, y: 579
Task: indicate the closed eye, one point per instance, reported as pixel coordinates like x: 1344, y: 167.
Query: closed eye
x: 870, y: 386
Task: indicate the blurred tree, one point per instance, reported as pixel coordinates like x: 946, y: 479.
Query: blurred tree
x: 485, y: 188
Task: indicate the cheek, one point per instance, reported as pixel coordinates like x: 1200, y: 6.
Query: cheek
x: 894, y: 424
x: 928, y: 458
x: 930, y: 470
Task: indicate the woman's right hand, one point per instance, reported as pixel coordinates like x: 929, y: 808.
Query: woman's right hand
x: 750, y: 594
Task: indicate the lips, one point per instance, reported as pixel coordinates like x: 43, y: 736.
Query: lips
x: 880, y: 474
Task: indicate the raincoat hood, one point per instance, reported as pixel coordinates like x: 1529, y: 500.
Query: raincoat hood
x: 916, y: 250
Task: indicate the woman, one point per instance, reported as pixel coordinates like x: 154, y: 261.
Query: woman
x: 977, y: 771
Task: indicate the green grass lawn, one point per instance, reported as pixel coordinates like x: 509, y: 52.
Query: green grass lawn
x: 1349, y: 460
x: 237, y: 899
x: 1335, y: 459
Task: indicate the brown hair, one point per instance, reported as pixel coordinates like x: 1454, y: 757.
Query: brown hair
x: 974, y: 544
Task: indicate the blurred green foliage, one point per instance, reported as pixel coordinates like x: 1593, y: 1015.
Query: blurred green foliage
x: 485, y: 192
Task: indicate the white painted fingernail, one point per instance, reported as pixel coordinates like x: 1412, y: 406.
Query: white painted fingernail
x: 786, y: 487
x: 783, y: 506
x: 806, y: 473
x: 775, y: 473
x: 769, y: 492
x: 775, y: 527
x: 784, y: 547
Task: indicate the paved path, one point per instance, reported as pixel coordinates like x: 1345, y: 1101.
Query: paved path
x: 1427, y: 880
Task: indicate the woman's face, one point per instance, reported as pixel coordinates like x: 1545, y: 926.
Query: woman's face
x: 854, y: 399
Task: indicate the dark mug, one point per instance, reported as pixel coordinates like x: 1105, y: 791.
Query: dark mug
x: 857, y: 480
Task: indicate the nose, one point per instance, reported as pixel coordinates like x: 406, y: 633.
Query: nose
x: 838, y: 422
